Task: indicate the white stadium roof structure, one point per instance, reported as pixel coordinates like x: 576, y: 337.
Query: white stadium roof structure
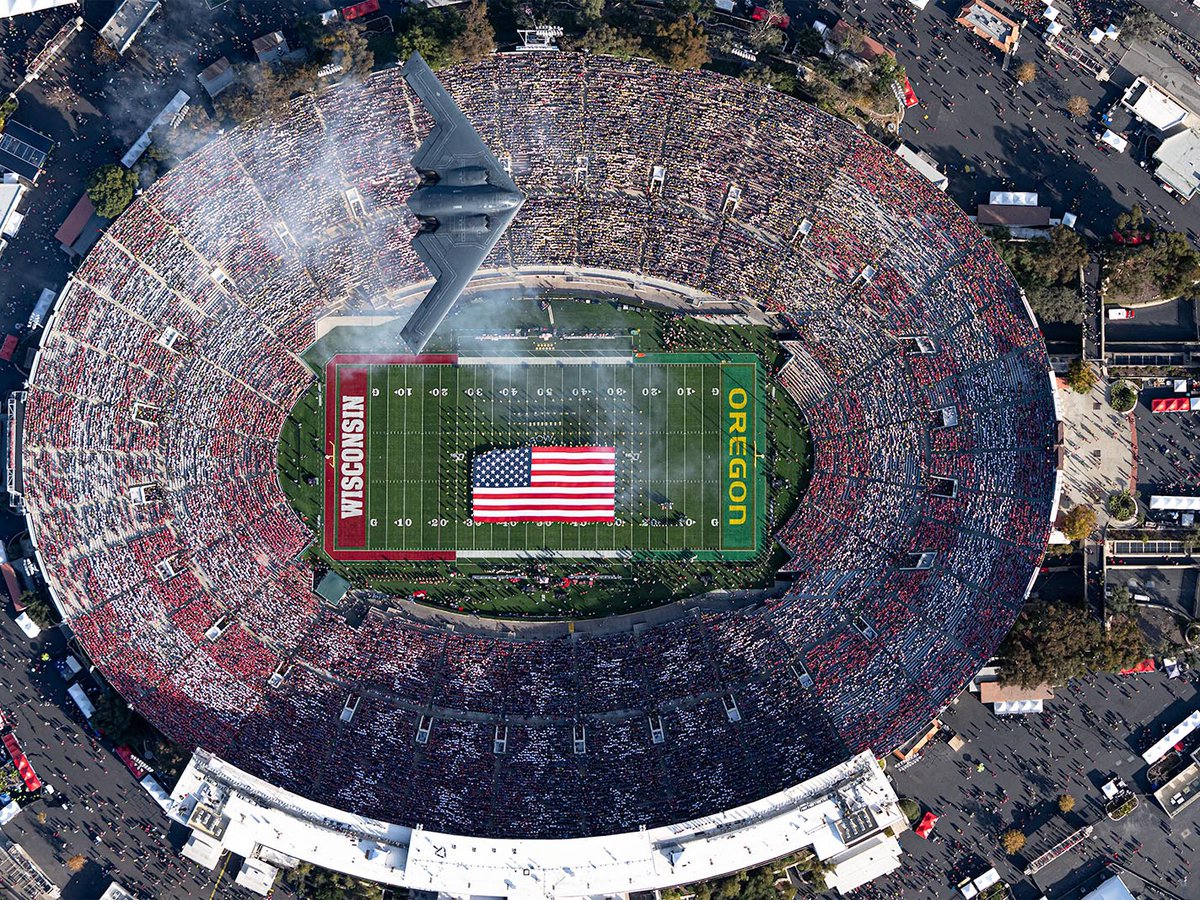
x: 9, y: 8
x: 848, y: 815
x: 927, y: 390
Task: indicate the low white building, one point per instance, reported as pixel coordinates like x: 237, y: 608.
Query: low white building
x: 924, y: 164
x: 1155, y: 106
x: 12, y: 192
x: 849, y: 816
x: 1178, y: 159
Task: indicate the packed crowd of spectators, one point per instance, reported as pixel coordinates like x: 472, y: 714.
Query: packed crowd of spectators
x: 157, y: 402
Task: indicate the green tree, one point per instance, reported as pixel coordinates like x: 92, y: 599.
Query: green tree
x: 1049, y: 272
x: 1081, y: 378
x: 344, y: 45
x: 590, y: 12
x: 1123, y: 397
x: 1141, y: 24
x: 769, y: 76
x: 1121, y: 506
x: 1120, y: 602
x: 911, y: 809
x: 478, y: 39
x: 1055, y: 303
x: 38, y: 608
x: 886, y: 72
x: 114, y: 719
x: 7, y: 108
x: 1054, y: 642
x: 750, y: 884
x: 764, y: 37
x: 428, y: 32
x: 807, y: 41
x: 1174, y: 263
x: 314, y: 883
x: 682, y: 44
x: 111, y: 188
x: 606, y: 40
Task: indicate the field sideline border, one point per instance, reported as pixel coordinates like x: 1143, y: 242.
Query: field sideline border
x: 758, y: 478
x: 350, y: 359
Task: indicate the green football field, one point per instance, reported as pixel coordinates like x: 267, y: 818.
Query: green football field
x: 685, y: 478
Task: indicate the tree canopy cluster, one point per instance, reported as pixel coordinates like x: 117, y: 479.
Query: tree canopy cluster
x: 111, y: 188
x: 1054, y: 642
x: 39, y: 609
x: 750, y: 884
x: 1079, y: 522
x: 314, y: 883
x: 262, y: 88
x: 1081, y: 378
x: 1146, y: 264
x: 1048, y: 271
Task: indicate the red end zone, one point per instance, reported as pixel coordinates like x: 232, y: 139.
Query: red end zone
x: 346, y: 453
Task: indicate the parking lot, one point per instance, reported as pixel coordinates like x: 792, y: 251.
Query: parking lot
x: 1091, y: 731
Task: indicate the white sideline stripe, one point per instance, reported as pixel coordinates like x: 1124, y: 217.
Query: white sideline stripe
x: 544, y: 554
x: 544, y: 360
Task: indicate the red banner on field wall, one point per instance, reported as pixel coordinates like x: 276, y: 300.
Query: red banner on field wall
x: 350, y: 457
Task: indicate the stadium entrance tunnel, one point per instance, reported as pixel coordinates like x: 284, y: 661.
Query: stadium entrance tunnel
x: 548, y: 458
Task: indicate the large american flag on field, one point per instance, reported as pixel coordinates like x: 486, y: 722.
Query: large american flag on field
x: 544, y: 484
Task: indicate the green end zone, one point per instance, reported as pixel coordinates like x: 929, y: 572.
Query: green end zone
x: 401, y: 432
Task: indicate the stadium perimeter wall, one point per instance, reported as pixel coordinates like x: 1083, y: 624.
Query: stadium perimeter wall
x: 258, y: 820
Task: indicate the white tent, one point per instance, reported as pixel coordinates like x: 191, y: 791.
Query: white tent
x: 20, y: 7
x: 1113, y: 889
x: 1096, y: 36
x: 1179, y: 385
x: 28, y: 626
x: 82, y: 701
x: 155, y: 790
x: 1160, y: 502
x: 1171, y: 738
x: 1016, y: 707
x: 1053, y: 28
x: 1051, y: 13
x: 1115, y: 141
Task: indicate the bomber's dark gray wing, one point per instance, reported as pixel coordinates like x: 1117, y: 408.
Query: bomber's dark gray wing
x: 453, y: 142
x: 452, y: 261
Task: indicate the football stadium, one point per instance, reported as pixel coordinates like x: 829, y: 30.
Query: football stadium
x: 556, y: 757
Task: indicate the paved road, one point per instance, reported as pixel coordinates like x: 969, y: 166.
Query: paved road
x: 973, y: 115
x: 1092, y: 730
x: 106, y: 802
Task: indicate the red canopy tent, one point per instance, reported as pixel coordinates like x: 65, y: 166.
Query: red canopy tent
x: 1146, y: 665
x: 1170, y: 404
x: 359, y: 10
x: 24, y: 769
x: 926, y: 825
